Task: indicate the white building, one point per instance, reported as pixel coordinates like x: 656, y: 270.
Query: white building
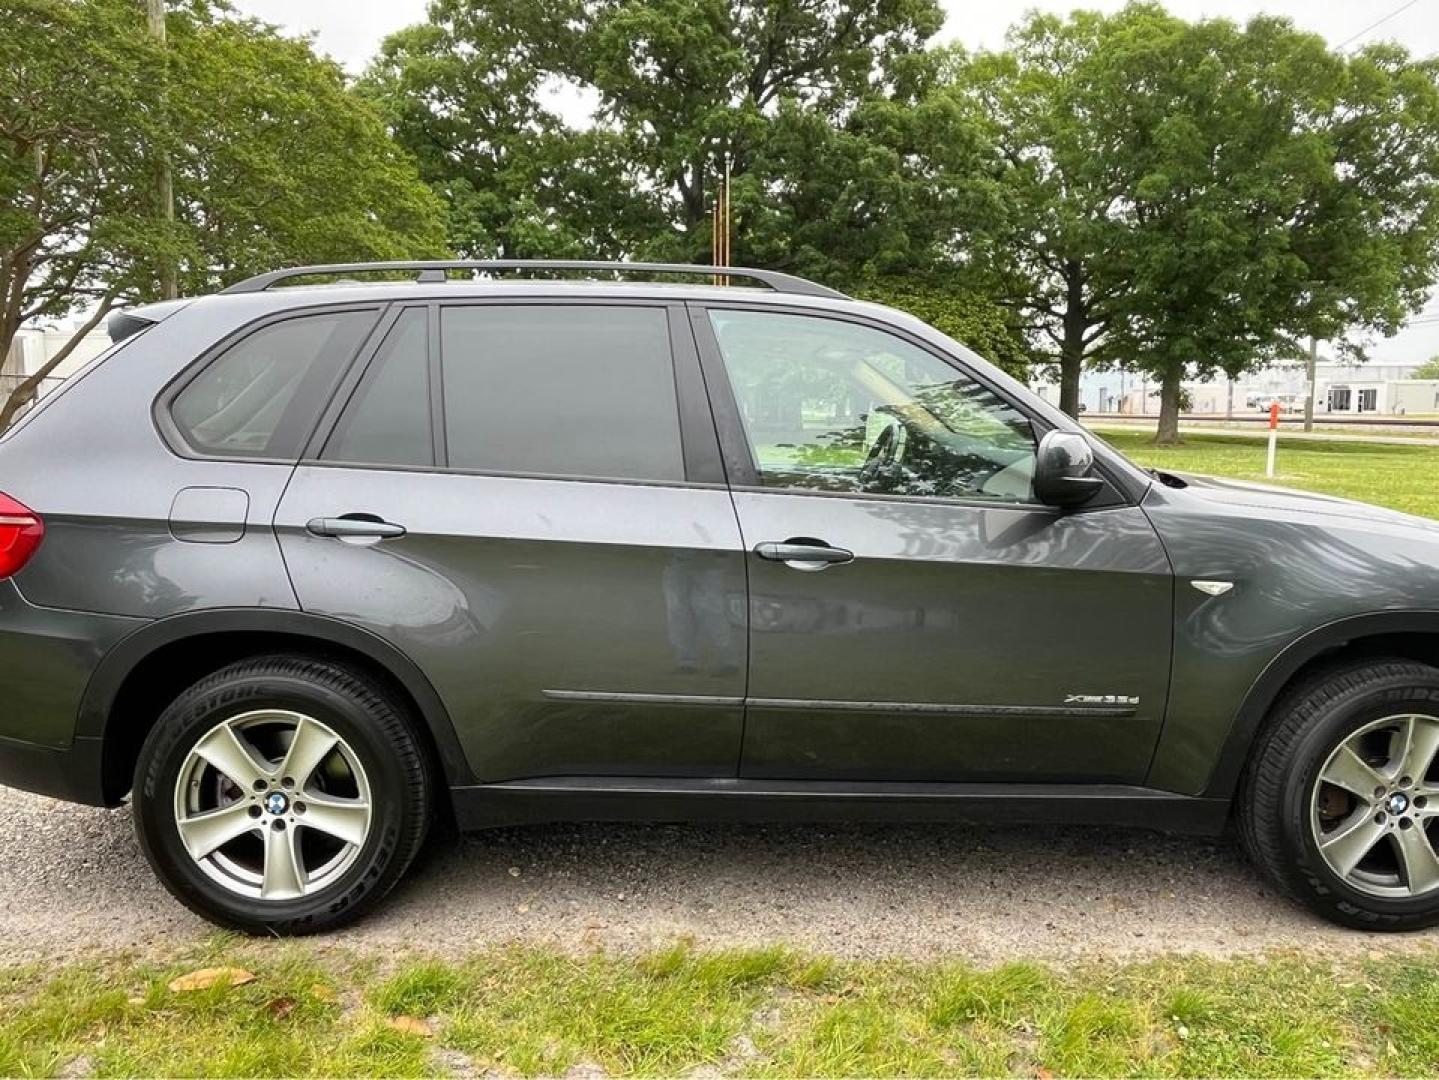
x: 1384, y: 389
x: 32, y: 349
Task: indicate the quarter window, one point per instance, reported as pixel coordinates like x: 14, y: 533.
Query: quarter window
x: 261, y: 397
x: 829, y: 405
x: 561, y: 390
x: 387, y: 422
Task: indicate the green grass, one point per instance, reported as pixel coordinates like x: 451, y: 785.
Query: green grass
x: 1402, y: 477
x: 315, y: 1011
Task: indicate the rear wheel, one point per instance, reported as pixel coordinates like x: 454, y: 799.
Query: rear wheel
x: 282, y: 795
x: 1340, y: 806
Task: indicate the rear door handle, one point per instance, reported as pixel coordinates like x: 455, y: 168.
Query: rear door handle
x: 808, y: 555
x: 360, y: 526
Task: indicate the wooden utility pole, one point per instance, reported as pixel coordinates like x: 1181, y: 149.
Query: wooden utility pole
x: 720, y: 226
x: 1312, y: 366
x: 164, y: 181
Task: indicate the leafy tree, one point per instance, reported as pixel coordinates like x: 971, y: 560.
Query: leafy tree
x: 1428, y: 370
x: 274, y: 162
x: 780, y: 90
x: 1052, y: 253
x: 77, y: 223
x: 1191, y: 198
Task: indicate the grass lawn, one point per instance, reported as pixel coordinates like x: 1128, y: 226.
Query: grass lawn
x: 1403, y: 477
x: 311, y: 1010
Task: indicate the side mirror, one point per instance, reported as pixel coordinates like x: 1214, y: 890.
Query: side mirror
x: 1064, y: 470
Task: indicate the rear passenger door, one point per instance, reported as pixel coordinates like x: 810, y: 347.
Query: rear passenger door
x: 527, y: 499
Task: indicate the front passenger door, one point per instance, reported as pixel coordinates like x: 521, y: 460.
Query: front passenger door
x: 915, y: 613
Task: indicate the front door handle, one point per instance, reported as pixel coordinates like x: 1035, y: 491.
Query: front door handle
x: 357, y: 526
x: 808, y: 555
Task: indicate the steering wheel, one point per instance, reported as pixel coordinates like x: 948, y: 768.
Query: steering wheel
x: 881, y: 454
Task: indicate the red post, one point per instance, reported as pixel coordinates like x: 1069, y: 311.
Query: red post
x: 1273, y: 437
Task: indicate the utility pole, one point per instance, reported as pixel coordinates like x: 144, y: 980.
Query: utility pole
x: 1313, y: 369
x: 720, y: 225
x: 164, y: 181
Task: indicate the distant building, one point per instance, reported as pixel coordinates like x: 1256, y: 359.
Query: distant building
x: 1384, y: 389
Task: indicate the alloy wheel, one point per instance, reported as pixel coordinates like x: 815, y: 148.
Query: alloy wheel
x: 273, y: 805
x: 1373, y: 807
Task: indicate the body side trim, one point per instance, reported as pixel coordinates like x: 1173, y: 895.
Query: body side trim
x: 943, y: 708
x: 936, y: 708
x: 642, y: 699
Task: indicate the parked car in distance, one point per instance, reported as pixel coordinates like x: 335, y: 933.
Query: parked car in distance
x: 300, y: 570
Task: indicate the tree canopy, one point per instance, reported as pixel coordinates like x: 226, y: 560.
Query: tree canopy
x: 1188, y: 198
x: 275, y: 162
x: 803, y: 103
x: 1181, y: 198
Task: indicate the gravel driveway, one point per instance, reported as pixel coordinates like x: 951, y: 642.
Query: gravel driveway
x: 72, y: 880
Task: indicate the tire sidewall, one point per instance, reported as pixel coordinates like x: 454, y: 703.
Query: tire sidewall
x: 1339, y: 719
x: 194, y: 715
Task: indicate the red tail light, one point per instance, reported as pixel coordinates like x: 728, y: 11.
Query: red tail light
x: 21, y: 531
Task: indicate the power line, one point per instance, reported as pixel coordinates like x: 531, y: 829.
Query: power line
x: 1376, y: 24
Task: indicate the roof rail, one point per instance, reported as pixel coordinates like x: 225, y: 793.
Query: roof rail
x: 435, y: 271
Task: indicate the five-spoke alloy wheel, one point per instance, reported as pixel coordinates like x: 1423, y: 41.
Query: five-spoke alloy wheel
x: 1340, y: 800
x: 1373, y: 804
x: 282, y: 794
x: 273, y: 804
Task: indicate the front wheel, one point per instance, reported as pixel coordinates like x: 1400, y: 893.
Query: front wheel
x: 1340, y: 805
x: 282, y: 795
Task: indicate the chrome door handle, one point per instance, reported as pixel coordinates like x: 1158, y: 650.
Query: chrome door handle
x: 355, y: 525
x: 803, y: 556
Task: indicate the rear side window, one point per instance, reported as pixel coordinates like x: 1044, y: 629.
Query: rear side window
x: 261, y: 397
x: 561, y: 390
x: 387, y: 422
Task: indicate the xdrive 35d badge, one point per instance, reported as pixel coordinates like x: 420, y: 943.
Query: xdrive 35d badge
x: 296, y: 572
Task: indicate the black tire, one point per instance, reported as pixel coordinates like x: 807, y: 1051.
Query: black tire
x: 1274, y: 809
x: 375, y: 728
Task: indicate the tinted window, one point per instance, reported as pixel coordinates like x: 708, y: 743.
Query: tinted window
x: 387, y: 422
x: 262, y: 396
x: 834, y: 406
x: 561, y: 390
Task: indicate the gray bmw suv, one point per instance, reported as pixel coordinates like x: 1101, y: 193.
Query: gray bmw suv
x: 300, y: 570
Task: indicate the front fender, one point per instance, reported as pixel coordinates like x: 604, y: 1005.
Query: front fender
x: 1262, y: 695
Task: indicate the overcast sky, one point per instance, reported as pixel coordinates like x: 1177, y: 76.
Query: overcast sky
x: 350, y: 30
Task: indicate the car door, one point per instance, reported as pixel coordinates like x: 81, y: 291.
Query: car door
x: 526, y: 499
x: 915, y: 614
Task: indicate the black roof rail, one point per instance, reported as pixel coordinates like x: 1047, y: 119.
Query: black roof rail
x: 435, y: 271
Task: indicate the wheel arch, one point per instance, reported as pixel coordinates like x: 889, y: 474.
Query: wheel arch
x: 145, y: 670
x: 1412, y: 635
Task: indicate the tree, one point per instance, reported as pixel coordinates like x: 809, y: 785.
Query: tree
x: 274, y: 162
x: 1191, y: 198
x: 1051, y: 251
x: 1428, y: 370
x: 679, y: 88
